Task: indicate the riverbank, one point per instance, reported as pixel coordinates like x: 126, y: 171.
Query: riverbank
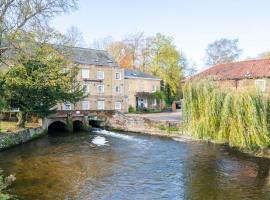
x: 170, y: 129
x: 11, y: 139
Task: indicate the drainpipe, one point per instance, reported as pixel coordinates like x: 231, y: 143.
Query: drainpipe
x: 236, y: 84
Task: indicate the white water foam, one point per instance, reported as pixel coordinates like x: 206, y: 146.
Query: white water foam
x: 100, y: 141
x: 116, y: 135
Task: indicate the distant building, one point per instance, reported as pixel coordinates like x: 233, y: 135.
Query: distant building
x: 139, y: 88
x: 102, y: 80
x: 240, y: 75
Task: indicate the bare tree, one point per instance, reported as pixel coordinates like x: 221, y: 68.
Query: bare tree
x: 22, y: 16
x: 75, y: 37
x: 222, y: 51
x: 102, y: 44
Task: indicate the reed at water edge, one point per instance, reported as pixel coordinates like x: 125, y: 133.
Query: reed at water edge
x: 238, y: 118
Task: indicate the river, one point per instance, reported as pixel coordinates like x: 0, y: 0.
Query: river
x: 117, y: 166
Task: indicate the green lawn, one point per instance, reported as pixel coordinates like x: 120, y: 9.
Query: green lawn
x: 10, y: 127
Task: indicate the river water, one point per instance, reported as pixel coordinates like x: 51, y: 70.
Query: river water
x: 117, y: 166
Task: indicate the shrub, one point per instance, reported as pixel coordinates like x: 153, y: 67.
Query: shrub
x: 131, y: 109
x: 239, y: 118
x: 4, y: 183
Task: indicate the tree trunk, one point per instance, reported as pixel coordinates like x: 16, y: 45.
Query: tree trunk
x: 22, y: 116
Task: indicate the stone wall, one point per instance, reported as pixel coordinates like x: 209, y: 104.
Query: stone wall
x: 141, y: 124
x: 11, y: 139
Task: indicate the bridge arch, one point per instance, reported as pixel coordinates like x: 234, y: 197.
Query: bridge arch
x: 77, y: 124
x: 57, y: 125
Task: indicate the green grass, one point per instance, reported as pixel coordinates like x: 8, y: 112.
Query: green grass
x: 10, y: 127
x: 239, y: 118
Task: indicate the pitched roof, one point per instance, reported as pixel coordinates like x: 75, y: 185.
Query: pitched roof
x: 238, y: 70
x: 91, y: 56
x: 139, y: 74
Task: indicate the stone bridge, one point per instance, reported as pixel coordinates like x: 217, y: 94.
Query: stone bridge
x: 78, y: 119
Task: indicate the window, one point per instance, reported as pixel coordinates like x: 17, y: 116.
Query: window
x: 67, y: 106
x: 118, y: 89
x: 118, y: 75
x: 85, y: 73
x: 260, y: 84
x: 100, y: 75
x: 85, y: 88
x: 85, y: 105
x: 154, y: 88
x: 100, y: 88
x: 101, y: 105
x: 117, y: 105
x: 154, y: 102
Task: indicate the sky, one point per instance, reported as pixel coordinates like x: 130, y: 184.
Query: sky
x: 192, y: 23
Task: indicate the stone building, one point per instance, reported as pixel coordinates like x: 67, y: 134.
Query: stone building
x: 139, y: 88
x: 240, y: 75
x: 102, y: 80
x: 106, y: 85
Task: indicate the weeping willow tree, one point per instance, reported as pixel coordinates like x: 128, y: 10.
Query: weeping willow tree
x: 239, y: 118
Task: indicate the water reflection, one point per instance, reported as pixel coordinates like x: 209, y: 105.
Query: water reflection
x: 68, y: 166
x: 53, y: 168
x: 225, y: 174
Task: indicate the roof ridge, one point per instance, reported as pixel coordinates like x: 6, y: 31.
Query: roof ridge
x: 235, y: 62
x: 242, y: 61
x: 86, y: 48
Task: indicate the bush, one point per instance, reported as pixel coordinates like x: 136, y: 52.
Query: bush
x: 131, y: 109
x: 239, y: 118
x: 4, y: 183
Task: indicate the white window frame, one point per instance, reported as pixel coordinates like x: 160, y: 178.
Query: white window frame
x: 101, y: 105
x: 100, y: 75
x: 260, y: 84
x: 154, y: 102
x: 118, y: 105
x: 67, y: 106
x: 85, y: 105
x: 87, y: 88
x: 100, y: 91
x: 154, y: 88
x: 119, y: 75
x: 85, y: 73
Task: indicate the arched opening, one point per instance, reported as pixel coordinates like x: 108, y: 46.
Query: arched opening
x: 57, y: 127
x: 77, y: 125
x: 95, y: 123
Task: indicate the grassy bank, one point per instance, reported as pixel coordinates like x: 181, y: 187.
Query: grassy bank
x: 239, y: 118
x: 10, y: 127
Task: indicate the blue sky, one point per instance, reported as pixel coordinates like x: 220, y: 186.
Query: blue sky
x: 192, y: 23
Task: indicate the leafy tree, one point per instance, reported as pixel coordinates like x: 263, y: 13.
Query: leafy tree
x: 38, y: 82
x: 2, y: 100
x: 133, y: 52
x: 222, y: 51
x: 166, y: 64
x: 121, y: 53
